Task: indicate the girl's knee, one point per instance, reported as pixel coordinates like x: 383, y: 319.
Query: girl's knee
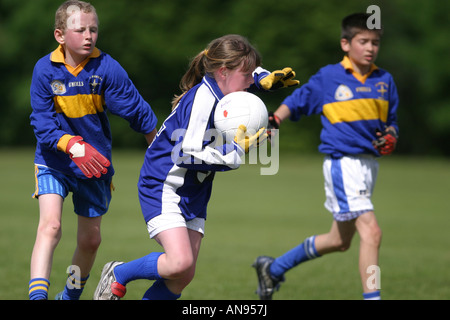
x: 182, y: 267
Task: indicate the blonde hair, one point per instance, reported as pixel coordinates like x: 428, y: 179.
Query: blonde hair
x: 62, y: 16
x: 229, y: 51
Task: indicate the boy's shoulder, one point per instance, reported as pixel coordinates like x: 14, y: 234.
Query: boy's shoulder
x: 46, y: 63
x: 331, y: 68
x: 44, y: 60
x: 338, y: 68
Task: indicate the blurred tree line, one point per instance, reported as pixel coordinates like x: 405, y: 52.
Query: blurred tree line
x: 154, y: 40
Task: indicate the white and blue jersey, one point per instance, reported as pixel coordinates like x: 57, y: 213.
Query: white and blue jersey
x: 180, y: 164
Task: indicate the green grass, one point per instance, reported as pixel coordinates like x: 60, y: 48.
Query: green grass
x: 250, y: 215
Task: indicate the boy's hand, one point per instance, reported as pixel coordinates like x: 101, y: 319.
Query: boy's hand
x: 274, y: 123
x: 247, y: 142
x: 276, y: 79
x: 386, y: 141
x: 87, y: 158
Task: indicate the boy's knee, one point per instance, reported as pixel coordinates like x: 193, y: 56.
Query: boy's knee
x: 90, y: 244
x: 342, y: 245
x: 373, y: 236
x: 51, y: 229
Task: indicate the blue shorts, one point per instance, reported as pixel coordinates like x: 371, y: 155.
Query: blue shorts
x: 91, y: 197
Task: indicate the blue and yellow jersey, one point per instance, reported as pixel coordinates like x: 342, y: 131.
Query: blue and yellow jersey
x: 351, y: 106
x: 69, y: 101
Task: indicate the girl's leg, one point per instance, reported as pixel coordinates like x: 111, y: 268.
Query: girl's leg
x: 177, y: 264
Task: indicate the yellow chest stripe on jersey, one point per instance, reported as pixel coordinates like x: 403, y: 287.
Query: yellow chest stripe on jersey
x: 79, y: 105
x: 356, y: 109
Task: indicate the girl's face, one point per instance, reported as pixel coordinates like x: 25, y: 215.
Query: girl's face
x: 80, y: 37
x: 362, y: 50
x: 233, y: 80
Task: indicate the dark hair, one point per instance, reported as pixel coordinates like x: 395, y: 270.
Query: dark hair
x: 354, y: 24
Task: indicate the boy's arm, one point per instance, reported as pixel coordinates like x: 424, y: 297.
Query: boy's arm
x: 282, y: 113
x: 124, y: 100
x: 43, y: 116
x: 386, y: 140
x: 306, y: 100
x: 275, y: 118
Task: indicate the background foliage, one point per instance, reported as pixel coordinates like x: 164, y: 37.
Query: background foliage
x: 154, y: 40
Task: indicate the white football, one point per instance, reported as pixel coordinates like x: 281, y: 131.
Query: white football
x: 238, y: 108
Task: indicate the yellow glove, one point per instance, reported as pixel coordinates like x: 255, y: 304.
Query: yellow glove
x: 279, y: 79
x: 247, y: 142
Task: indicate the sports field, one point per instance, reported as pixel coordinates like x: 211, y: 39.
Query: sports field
x: 250, y: 215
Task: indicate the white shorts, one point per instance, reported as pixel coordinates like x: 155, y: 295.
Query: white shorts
x: 349, y: 184
x: 166, y: 221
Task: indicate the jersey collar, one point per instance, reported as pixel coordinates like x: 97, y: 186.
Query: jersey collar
x: 213, y: 87
x: 347, y: 64
x: 58, y: 57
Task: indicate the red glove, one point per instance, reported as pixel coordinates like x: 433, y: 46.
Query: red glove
x: 87, y: 158
x: 274, y: 123
x: 386, y: 141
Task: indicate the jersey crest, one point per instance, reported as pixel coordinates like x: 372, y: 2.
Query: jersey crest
x: 343, y: 93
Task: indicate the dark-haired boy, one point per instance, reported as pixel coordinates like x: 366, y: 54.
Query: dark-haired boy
x: 358, y: 103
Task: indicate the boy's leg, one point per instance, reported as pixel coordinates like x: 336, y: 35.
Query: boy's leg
x: 370, y: 240
x: 88, y: 242
x: 47, y: 238
x: 271, y: 271
x: 337, y: 239
x: 91, y: 200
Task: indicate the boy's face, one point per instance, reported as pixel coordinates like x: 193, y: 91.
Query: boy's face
x: 362, y: 49
x: 80, y: 36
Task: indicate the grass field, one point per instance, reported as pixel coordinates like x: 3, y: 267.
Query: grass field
x: 250, y: 215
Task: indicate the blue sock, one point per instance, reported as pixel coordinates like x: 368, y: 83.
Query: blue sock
x: 159, y: 291
x: 38, y: 289
x: 372, y: 295
x: 142, y: 268
x: 74, y: 287
x: 303, y: 252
